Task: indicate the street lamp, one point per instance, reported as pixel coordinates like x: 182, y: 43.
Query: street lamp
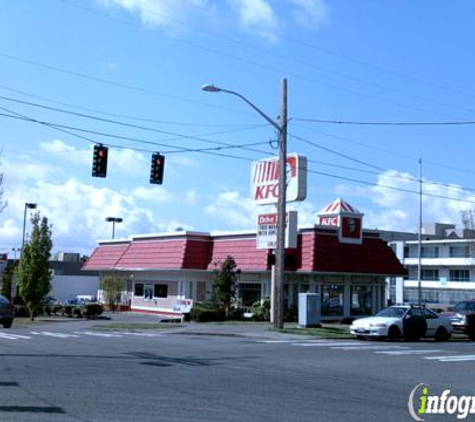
x: 114, y: 220
x: 31, y: 206
x: 281, y: 128
x: 15, y: 250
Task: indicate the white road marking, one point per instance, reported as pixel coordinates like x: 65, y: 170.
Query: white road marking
x: 454, y: 358
x: 326, y: 344
x: 58, y: 335
x: 90, y: 333
x: 137, y: 334
x: 362, y: 347
x: 408, y: 352
x: 13, y: 336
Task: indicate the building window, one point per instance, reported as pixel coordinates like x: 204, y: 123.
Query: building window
x: 138, y: 289
x: 406, y: 252
x: 332, y: 300
x: 249, y: 293
x: 160, y: 290
x: 459, y: 275
x: 148, y: 291
x: 430, y: 252
x: 459, y: 251
x: 361, y: 300
x: 429, y: 275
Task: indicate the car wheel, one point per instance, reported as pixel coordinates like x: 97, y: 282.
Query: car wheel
x: 441, y: 334
x: 7, y: 323
x: 394, y: 333
x: 471, y: 333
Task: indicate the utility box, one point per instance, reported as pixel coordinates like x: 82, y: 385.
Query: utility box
x: 310, y: 311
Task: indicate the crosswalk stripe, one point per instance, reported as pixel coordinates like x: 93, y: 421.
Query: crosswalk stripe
x: 13, y: 336
x: 322, y: 344
x: 453, y: 358
x: 58, y: 335
x: 127, y: 333
x: 408, y: 352
x: 368, y: 347
x: 91, y: 333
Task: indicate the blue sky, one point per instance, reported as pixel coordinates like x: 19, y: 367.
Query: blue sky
x: 142, y: 62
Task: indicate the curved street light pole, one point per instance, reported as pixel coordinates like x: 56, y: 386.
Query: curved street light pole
x: 281, y: 127
x: 114, y: 220
x: 31, y: 206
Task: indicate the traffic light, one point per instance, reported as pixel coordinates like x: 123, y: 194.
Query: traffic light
x: 99, y: 161
x: 156, y: 171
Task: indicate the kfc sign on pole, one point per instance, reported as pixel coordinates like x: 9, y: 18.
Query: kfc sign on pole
x: 267, y: 230
x: 265, y: 179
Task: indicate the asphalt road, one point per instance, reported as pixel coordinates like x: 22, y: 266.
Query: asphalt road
x: 70, y: 372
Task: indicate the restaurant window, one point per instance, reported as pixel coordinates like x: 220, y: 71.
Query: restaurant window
x: 160, y: 290
x: 148, y: 291
x: 249, y: 293
x: 332, y: 300
x: 138, y: 289
x: 361, y: 300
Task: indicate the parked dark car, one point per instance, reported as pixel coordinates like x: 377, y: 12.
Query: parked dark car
x: 462, y: 318
x: 7, y: 312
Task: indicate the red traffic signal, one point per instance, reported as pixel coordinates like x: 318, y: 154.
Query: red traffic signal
x: 99, y: 161
x: 157, y: 168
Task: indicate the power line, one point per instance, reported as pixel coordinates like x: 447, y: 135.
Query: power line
x: 368, y: 123
x: 87, y: 116
x: 118, y: 84
x: 122, y: 116
x: 67, y: 129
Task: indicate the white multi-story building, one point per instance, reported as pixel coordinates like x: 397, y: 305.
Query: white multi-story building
x: 447, y: 263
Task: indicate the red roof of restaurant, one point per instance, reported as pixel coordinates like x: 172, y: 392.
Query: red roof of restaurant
x: 105, y: 257
x: 243, y: 250
x: 318, y: 250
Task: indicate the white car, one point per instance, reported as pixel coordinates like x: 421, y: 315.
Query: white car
x: 410, y: 322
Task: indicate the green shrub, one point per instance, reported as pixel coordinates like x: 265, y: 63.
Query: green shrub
x: 56, y: 309
x: 92, y: 310
x: 206, y: 312
x: 68, y: 310
x: 47, y: 310
x: 21, y: 311
x: 261, y: 310
x: 77, y: 312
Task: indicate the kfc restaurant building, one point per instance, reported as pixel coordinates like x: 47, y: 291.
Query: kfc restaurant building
x: 166, y: 272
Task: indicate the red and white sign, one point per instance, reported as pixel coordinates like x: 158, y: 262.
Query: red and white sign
x: 267, y: 230
x: 350, y: 230
x: 333, y: 221
x: 265, y: 179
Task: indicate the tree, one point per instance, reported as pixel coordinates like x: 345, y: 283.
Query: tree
x: 224, y: 284
x: 33, y: 271
x: 7, y: 279
x: 112, y: 288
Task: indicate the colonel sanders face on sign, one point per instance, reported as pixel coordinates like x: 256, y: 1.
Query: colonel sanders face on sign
x: 351, y: 225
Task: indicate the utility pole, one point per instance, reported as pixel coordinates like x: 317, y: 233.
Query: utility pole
x: 281, y: 220
x: 419, y: 265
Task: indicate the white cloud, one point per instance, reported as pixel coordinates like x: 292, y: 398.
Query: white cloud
x: 237, y: 212
x: 259, y: 17
x: 256, y: 15
x: 399, y: 209
x: 77, y: 210
x: 170, y: 15
x: 310, y: 13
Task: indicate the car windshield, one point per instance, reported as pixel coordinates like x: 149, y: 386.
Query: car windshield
x: 461, y: 306
x: 392, y: 312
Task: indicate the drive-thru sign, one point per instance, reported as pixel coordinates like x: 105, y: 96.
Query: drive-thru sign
x: 267, y: 230
x: 265, y: 179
